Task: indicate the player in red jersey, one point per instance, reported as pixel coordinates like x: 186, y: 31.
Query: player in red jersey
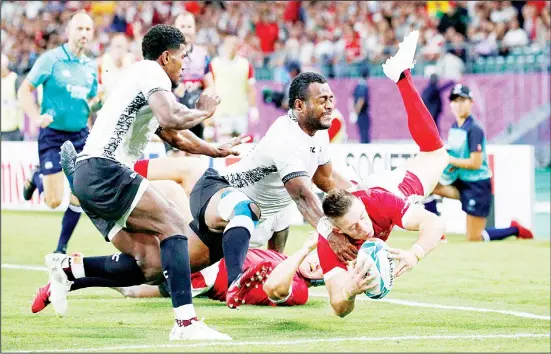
x: 287, y: 283
x: 388, y: 199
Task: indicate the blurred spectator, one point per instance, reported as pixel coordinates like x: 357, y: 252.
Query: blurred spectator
x: 456, y: 17
x: 195, y: 76
x: 234, y: 82
x: 504, y: 12
x: 515, y: 36
x: 113, y: 62
x: 12, y: 115
x: 267, y: 31
x: 361, y: 107
x: 431, y: 96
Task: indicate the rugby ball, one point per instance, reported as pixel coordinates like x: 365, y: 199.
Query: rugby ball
x: 383, y: 267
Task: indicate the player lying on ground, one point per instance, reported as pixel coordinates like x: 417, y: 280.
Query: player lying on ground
x: 287, y: 283
x: 279, y: 170
x: 270, y: 232
x: 139, y: 217
x: 390, y: 198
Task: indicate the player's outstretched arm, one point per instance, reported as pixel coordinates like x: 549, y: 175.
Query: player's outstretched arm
x: 326, y: 178
x: 430, y: 227
x: 140, y: 291
x: 343, y: 287
x: 310, y: 207
x: 186, y: 141
x: 173, y: 115
x: 279, y: 283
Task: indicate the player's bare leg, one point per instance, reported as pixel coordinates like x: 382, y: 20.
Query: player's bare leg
x: 429, y: 164
x: 183, y: 170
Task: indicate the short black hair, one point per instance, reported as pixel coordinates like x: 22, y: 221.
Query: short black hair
x: 337, y: 203
x: 299, y: 86
x: 159, y: 39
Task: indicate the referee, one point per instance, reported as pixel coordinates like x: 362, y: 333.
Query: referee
x: 468, y: 176
x: 69, y: 80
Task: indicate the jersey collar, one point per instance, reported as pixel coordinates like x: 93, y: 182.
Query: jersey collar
x: 71, y: 56
x: 466, y: 124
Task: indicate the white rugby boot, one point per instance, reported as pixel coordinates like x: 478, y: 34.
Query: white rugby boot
x: 403, y: 59
x: 197, y: 330
x: 59, y: 284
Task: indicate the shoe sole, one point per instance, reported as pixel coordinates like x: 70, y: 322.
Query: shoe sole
x: 251, y: 279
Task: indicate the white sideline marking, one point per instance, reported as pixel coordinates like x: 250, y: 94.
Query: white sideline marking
x: 448, y: 307
x: 25, y: 267
x: 393, y: 301
x: 291, y: 342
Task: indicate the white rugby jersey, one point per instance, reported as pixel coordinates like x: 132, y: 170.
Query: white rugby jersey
x: 125, y: 123
x: 285, y: 152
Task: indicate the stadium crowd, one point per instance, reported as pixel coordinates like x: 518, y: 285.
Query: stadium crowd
x: 310, y: 32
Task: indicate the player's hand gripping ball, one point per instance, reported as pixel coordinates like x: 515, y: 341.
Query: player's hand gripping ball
x: 383, y: 267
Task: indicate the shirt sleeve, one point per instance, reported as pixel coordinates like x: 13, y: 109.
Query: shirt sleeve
x: 154, y: 79
x: 475, y: 138
x: 41, y: 70
x: 288, y: 161
x: 298, y: 295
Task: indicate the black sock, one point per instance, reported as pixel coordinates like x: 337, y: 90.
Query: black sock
x: 176, y: 269
x: 494, y: 234
x: 68, y: 224
x: 121, y: 268
x: 235, y: 243
x: 432, y: 207
x: 90, y: 282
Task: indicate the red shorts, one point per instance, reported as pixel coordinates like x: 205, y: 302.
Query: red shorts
x: 141, y: 167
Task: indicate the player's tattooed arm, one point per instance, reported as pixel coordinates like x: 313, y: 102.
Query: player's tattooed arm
x: 326, y: 178
x: 173, y: 115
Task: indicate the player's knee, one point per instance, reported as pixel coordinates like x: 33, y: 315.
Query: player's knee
x: 74, y: 201
x: 53, y: 201
x: 239, y: 210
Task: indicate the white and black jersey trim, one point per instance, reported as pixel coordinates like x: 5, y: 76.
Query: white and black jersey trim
x: 126, y: 119
x: 292, y: 175
x: 249, y: 177
x: 152, y: 91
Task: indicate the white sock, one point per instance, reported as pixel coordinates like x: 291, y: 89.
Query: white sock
x: 184, y: 312
x: 77, y: 267
x: 75, y: 208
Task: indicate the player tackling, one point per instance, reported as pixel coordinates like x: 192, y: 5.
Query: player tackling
x: 136, y: 215
x: 390, y: 198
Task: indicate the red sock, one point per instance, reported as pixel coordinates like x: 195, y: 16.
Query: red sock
x: 420, y: 123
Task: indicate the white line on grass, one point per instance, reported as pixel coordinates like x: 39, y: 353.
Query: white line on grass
x: 448, y: 307
x: 24, y: 267
x: 292, y: 342
x: 393, y: 301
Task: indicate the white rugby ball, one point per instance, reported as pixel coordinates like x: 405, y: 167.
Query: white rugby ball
x: 383, y: 267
